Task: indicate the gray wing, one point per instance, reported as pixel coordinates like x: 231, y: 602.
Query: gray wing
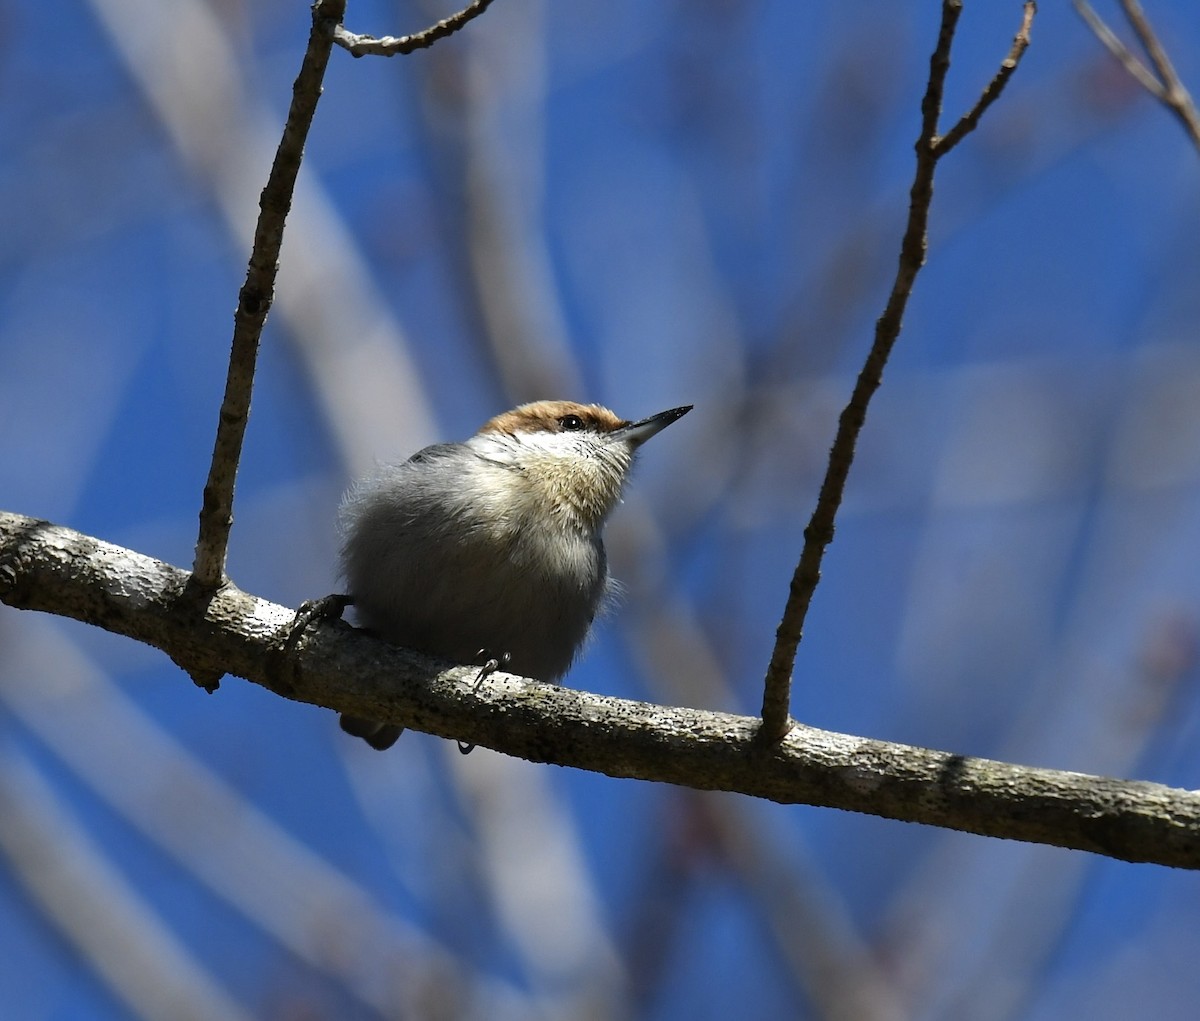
x: 433, y: 452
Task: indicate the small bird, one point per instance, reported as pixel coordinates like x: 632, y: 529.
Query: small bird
x: 492, y: 548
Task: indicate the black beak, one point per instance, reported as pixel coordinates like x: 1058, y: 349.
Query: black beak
x: 637, y: 433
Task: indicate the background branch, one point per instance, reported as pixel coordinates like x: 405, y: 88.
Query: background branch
x: 149, y: 968
x: 1163, y: 83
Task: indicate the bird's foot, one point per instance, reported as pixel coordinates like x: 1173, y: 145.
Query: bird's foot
x: 329, y: 607
x: 490, y: 666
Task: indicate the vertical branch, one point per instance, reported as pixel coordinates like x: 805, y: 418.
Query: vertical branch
x: 255, y: 297
x: 819, y: 533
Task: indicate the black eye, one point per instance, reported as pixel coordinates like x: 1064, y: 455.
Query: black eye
x: 571, y: 423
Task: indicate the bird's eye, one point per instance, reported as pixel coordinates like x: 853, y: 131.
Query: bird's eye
x: 571, y: 423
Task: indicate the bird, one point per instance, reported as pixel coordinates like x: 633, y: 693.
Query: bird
x: 492, y: 548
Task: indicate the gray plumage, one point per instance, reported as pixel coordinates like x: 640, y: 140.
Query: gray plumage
x: 492, y: 547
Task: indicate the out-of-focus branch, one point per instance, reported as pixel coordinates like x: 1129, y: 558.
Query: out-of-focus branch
x: 1024, y: 905
x: 390, y: 45
x: 257, y: 293
x: 57, y: 570
x: 97, y: 910
x: 333, y: 311
x: 1163, y: 83
x: 1114, y: 45
x: 231, y: 847
x: 837, y: 969
x: 776, y: 719
x: 503, y: 111
x: 254, y: 301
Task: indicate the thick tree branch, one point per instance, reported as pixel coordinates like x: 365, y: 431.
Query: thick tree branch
x: 254, y: 301
x: 390, y: 45
x: 777, y: 686
x: 57, y: 570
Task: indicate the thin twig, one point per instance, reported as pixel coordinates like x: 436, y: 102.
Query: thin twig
x: 57, y: 570
x: 819, y: 533
x: 255, y: 297
x: 1166, y: 86
x: 390, y: 45
x: 970, y: 120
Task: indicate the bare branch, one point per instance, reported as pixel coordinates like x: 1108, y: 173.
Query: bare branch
x: 819, y: 533
x: 390, y: 45
x: 255, y: 297
x: 991, y: 92
x: 57, y: 570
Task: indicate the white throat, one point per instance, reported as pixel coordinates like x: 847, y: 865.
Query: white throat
x: 578, y: 474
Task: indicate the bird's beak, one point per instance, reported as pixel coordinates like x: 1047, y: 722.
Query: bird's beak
x: 637, y: 433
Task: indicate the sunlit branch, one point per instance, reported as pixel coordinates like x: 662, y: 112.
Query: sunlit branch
x: 54, y: 569
x: 777, y: 693
x: 390, y: 45
x: 254, y: 302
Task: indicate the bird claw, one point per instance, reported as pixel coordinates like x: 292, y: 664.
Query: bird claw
x: 490, y: 666
x: 330, y: 607
x: 311, y: 611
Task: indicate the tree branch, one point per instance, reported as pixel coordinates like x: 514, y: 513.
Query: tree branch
x: 991, y: 92
x: 1167, y: 87
x: 818, y: 535
x: 57, y: 570
x: 254, y: 301
x: 1137, y: 70
x: 390, y: 45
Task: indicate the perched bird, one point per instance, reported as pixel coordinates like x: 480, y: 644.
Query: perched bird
x: 492, y: 548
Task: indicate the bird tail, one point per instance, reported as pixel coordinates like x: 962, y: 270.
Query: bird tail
x: 379, y: 736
